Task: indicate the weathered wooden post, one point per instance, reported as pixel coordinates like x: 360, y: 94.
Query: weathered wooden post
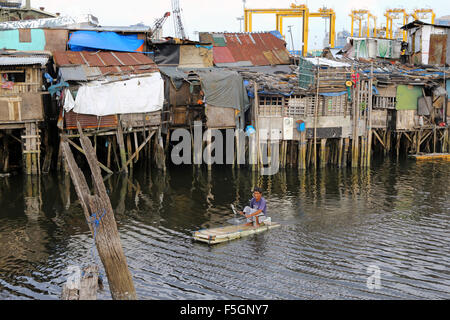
x: 323, y: 158
x: 340, y: 152
x: 302, y: 151
x: 121, y: 143
x: 316, y: 110
x: 99, y: 213
x: 369, y: 133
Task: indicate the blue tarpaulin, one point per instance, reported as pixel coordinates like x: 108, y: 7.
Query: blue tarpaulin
x: 277, y: 34
x: 333, y: 94
x: 93, y: 40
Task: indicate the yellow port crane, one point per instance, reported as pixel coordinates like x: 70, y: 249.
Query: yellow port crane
x: 422, y: 13
x: 330, y: 14
x: 358, y: 15
x: 391, y: 15
x: 295, y: 11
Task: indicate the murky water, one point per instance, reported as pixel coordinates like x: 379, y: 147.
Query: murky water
x: 335, y: 224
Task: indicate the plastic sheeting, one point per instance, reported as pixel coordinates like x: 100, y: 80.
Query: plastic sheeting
x: 137, y: 95
x: 60, y: 22
x: 92, y: 40
x: 224, y: 89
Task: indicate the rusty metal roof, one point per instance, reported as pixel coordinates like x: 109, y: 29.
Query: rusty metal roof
x: 106, y: 63
x: 88, y: 121
x: 252, y: 49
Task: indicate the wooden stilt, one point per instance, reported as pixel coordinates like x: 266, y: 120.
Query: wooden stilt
x: 129, y: 151
x: 5, y: 153
x: 346, y: 147
x: 399, y: 138
x: 136, y: 146
x: 340, y: 152
x: 310, y: 152
x: 31, y: 148
x: 388, y: 142
x: 445, y: 142
x: 139, y: 148
x: 302, y: 151
x: 323, y: 160
x: 123, y: 153
x: 108, y: 155
x: 418, y: 136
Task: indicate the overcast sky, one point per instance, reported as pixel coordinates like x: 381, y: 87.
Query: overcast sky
x: 221, y: 15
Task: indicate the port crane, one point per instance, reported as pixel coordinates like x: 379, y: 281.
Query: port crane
x: 419, y: 14
x: 391, y: 15
x: 295, y: 11
x: 358, y: 15
x: 158, y: 25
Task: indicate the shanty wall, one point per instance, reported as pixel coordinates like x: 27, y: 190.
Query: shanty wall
x: 278, y: 115
x: 220, y: 118
x: 195, y: 57
x: 34, y: 39
x: 24, y: 101
x: 428, y: 45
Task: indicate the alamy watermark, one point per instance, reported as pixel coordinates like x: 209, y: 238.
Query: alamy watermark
x: 213, y: 153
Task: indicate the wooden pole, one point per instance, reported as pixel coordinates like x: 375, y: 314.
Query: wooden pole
x: 340, y: 152
x: 323, y: 160
x: 129, y: 152
x: 257, y: 128
x: 139, y: 148
x: 369, y: 136
x: 316, y: 111
x: 302, y: 151
x: 121, y: 143
x: 346, y: 147
x: 108, y: 156
x: 99, y: 213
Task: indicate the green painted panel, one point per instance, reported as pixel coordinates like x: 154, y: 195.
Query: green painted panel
x: 9, y: 39
x: 219, y: 42
x: 407, y: 97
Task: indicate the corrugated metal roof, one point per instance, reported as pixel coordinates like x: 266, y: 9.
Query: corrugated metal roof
x: 8, y: 60
x: 97, y: 64
x: 73, y: 73
x: 260, y: 49
x: 89, y: 121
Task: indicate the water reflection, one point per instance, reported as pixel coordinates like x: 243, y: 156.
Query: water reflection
x: 335, y: 223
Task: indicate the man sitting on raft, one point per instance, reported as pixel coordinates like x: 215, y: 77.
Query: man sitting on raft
x: 256, y: 213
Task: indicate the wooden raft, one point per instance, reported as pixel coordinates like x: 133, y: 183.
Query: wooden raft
x: 431, y: 156
x: 223, y: 234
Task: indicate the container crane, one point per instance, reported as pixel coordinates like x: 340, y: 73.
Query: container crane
x: 422, y: 14
x: 392, y: 14
x: 358, y: 15
x: 158, y: 25
x: 295, y: 11
x: 178, y: 24
x: 330, y: 14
